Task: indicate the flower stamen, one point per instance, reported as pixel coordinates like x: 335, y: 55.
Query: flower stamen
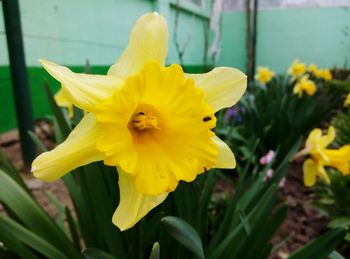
x: 142, y: 121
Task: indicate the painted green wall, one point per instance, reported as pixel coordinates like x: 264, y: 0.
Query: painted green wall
x: 312, y: 35
x: 69, y: 32
x: 233, y: 48
x: 36, y: 76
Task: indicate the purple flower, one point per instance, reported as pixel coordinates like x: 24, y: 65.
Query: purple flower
x: 232, y: 113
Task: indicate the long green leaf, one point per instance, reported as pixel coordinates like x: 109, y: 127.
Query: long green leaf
x: 11, y: 242
x: 336, y: 255
x: 39, y: 144
x: 61, y: 120
x: 94, y: 253
x: 184, y: 233
x: 8, y: 168
x: 322, y: 246
x: 237, y: 235
x: 32, y: 215
x: 29, y: 238
x: 72, y: 228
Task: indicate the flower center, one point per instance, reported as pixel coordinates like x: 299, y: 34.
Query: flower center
x: 142, y: 121
x: 157, y: 128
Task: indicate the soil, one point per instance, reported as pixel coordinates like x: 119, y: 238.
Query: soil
x: 303, y: 223
x: 10, y: 146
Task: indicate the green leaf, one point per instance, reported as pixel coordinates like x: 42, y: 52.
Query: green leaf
x: 155, y: 253
x: 8, y: 168
x: 185, y: 234
x: 340, y: 222
x: 29, y: 238
x: 322, y: 246
x: 10, y: 242
x: 39, y: 144
x: 33, y: 216
x: 237, y: 236
x: 72, y: 228
x: 336, y: 255
x: 94, y: 253
x: 61, y: 120
x: 60, y: 207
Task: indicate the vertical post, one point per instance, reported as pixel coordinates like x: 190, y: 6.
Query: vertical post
x: 251, y: 38
x: 254, y: 36
x: 19, y: 78
x: 248, y: 40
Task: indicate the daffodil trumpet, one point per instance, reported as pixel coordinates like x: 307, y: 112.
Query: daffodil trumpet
x: 320, y: 156
x: 151, y: 122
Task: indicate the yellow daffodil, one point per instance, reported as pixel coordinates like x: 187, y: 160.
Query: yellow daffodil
x: 316, y: 147
x: 304, y: 85
x: 313, y: 69
x: 324, y: 74
x: 264, y: 75
x: 153, y: 123
x: 62, y: 101
x: 297, y: 69
x: 347, y: 100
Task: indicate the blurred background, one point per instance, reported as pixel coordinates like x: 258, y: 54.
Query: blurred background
x: 203, y: 33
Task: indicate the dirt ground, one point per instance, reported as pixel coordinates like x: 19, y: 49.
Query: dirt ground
x: 303, y: 223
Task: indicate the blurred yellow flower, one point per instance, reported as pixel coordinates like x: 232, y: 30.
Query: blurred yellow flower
x: 313, y: 68
x: 153, y: 123
x: 297, y: 69
x: 316, y: 147
x: 264, y: 75
x: 347, y: 100
x: 62, y: 101
x: 304, y: 85
x: 324, y: 74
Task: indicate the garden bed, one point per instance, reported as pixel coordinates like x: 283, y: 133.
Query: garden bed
x: 303, y: 222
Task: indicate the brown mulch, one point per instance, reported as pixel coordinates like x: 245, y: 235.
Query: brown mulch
x: 303, y: 222
x: 10, y: 146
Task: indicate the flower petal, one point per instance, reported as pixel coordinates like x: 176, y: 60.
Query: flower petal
x: 62, y: 101
x: 83, y: 90
x: 77, y: 150
x: 313, y: 137
x: 310, y: 172
x: 223, y: 86
x: 328, y: 138
x: 226, y: 158
x: 148, y: 42
x: 133, y: 205
x: 321, y: 172
x: 339, y: 158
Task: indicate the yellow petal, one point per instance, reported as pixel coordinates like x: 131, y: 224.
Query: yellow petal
x: 77, y: 150
x: 310, y: 172
x: 321, y: 172
x: 133, y: 205
x: 223, y: 86
x: 83, y: 90
x: 62, y: 101
x: 226, y: 158
x: 328, y: 138
x: 339, y: 158
x: 313, y: 137
x: 177, y: 148
x: 148, y: 42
